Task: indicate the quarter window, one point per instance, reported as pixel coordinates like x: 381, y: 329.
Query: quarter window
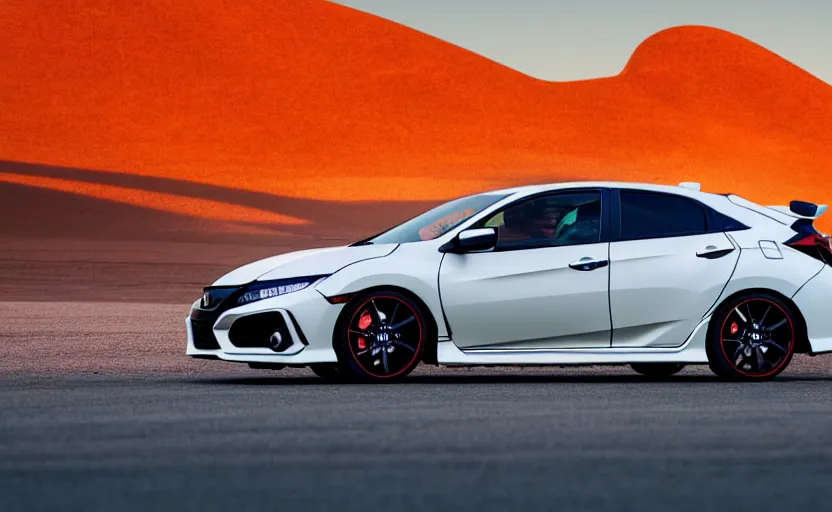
x: 651, y: 215
x: 549, y: 221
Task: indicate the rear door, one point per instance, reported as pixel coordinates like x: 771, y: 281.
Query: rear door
x: 669, y: 262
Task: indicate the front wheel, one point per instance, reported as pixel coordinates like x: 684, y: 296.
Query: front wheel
x: 752, y: 337
x: 381, y: 336
x: 657, y: 370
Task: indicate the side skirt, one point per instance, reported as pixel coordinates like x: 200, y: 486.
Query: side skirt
x: 691, y: 352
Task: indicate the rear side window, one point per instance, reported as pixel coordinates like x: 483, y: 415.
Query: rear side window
x: 651, y: 215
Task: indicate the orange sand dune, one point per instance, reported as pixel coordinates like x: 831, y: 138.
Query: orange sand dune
x: 307, y: 98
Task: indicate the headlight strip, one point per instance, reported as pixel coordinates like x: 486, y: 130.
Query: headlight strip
x: 260, y: 290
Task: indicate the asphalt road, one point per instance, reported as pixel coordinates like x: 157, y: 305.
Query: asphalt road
x: 450, y: 440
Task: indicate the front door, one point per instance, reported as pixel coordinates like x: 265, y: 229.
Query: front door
x: 545, y: 285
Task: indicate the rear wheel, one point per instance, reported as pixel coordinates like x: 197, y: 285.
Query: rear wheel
x: 752, y: 337
x: 381, y: 336
x: 657, y: 370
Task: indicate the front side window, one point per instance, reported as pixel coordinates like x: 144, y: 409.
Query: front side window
x: 568, y: 218
x: 651, y: 215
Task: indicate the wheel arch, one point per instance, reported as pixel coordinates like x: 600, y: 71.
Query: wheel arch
x: 802, y: 345
x: 429, y: 355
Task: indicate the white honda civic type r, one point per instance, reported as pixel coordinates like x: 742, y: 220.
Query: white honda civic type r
x: 657, y: 277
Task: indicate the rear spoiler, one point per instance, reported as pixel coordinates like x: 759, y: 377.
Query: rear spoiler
x: 802, y: 210
x: 808, y: 240
x: 805, y: 214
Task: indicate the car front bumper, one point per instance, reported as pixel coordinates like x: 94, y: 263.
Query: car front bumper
x: 307, y: 318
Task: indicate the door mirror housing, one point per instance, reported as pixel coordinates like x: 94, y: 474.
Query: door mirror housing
x: 472, y: 240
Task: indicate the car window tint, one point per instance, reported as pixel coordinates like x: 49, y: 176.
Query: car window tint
x: 649, y: 215
x: 549, y: 221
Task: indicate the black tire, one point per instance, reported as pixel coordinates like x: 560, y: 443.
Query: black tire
x: 328, y: 372
x: 657, y: 370
x: 752, y: 337
x: 380, y: 336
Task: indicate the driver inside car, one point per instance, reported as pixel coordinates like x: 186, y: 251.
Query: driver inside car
x: 530, y: 221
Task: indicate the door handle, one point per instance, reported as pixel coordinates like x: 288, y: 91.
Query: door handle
x: 712, y: 252
x: 586, y: 264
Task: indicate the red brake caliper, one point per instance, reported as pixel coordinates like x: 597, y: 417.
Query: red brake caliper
x: 365, y: 321
x: 734, y: 328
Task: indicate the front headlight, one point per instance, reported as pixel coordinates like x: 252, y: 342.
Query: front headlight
x: 268, y: 289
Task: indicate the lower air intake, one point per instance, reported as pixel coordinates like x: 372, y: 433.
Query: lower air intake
x: 204, y: 338
x: 263, y: 330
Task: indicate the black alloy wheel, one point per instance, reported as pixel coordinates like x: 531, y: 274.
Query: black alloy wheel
x: 381, y: 336
x: 752, y: 337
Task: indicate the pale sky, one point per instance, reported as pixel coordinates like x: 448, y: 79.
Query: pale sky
x: 575, y: 39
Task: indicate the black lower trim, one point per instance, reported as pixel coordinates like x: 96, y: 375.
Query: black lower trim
x: 301, y: 336
x: 204, y: 338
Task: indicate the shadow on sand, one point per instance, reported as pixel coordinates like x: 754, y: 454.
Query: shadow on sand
x: 327, y: 217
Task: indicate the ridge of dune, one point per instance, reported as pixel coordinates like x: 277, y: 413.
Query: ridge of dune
x: 708, y: 69
x: 306, y: 98
x: 698, y: 52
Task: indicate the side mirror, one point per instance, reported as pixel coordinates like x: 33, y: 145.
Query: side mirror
x: 472, y: 240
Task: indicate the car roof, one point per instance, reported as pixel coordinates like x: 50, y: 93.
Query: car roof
x: 534, y: 189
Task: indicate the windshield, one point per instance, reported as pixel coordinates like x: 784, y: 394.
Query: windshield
x: 438, y: 221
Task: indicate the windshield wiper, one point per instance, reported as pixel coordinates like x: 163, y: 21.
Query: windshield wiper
x: 361, y: 242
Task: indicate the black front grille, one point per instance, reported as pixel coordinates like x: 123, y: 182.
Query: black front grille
x: 204, y: 338
x: 215, y: 296
x: 203, y: 320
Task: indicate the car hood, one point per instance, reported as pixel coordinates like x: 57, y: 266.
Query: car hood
x: 310, y: 262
